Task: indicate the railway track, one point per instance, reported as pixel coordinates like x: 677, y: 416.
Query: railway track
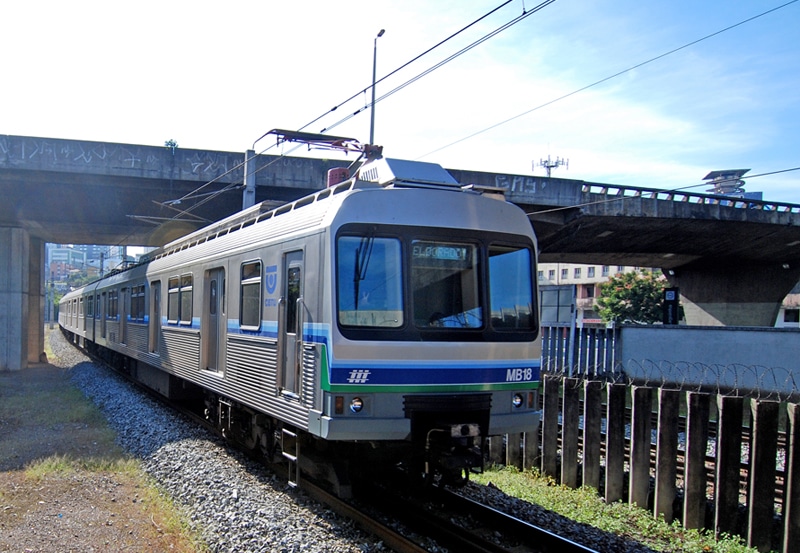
x: 463, y: 525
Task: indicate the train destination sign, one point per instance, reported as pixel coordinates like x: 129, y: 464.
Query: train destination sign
x: 446, y: 252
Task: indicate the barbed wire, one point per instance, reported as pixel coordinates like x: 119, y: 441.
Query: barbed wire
x: 736, y: 380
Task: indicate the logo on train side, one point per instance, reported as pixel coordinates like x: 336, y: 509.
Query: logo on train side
x: 272, y: 278
x: 358, y: 376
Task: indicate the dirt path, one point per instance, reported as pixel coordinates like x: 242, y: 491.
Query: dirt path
x: 87, y: 495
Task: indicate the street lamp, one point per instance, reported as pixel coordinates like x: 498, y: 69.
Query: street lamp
x: 372, y: 105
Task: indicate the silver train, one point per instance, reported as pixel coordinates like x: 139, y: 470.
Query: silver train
x: 387, y: 320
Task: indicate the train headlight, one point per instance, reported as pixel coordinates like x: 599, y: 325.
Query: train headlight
x: 517, y: 401
x: 356, y: 405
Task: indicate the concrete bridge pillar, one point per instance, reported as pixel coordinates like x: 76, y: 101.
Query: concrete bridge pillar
x: 733, y: 295
x: 21, y: 298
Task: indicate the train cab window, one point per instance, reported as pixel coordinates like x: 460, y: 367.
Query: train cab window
x: 511, y: 288
x: 444, y: 279
x: 250, y: 308
x: 370, y: 282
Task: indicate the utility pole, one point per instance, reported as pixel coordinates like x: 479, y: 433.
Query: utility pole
x: 249, y: 195
x: 372, y: 104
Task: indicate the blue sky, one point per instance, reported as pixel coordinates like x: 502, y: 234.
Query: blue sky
x: 217, y: 75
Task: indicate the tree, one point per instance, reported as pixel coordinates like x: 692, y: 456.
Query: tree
x: 635, y: 297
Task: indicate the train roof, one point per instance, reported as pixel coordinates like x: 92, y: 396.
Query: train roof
x: 377, y: 173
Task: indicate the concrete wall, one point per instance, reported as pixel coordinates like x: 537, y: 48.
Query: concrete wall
x: 14, y: 301
x: 764, y: 359
x: 21, y: 299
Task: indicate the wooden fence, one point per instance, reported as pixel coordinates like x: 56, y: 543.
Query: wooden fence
x: 709, y: 461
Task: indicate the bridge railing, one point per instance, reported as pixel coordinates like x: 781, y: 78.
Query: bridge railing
x: 620, y: 191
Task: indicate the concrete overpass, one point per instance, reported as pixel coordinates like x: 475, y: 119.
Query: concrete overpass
x: 733, y: 261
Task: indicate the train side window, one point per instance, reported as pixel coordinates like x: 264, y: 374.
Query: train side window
x: 250, y: 308
x: 137, y: 303
x: 370, y: 282
x: 173, y: 305
x: 186, y: 300
x: 511, y: 288
x: 294, y: 283
x: 113, y: 304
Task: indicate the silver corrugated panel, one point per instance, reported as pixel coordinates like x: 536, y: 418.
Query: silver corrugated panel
x: 137, y: 338
x: 181, y: 352
x: 252, y: 362
x: 310, y: 364
x: 112, y: 329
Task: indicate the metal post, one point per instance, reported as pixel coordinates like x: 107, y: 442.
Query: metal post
x: 372, y: 104
x: 249, y: 195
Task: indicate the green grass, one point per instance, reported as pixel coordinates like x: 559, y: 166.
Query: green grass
x: 585, y: 506
x: 57, y: 465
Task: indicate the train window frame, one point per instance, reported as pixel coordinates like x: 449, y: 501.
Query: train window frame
x: 439, y: 261
x: 250, y: 304
x: 137, y: 313
x: 385, y: 317
x: 113, y: 305
x: 409, y: 331
x: 173, y: 303
x: 186, y: 301
x: 180, y: 299
x: 497, y: 291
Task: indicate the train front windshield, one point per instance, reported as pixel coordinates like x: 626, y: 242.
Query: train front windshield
x: 403, y: 286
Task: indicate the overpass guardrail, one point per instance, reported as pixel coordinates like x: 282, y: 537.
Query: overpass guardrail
x: 620, y: 191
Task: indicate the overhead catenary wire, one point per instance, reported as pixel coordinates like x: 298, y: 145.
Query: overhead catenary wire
x: 450, y: 58
x: 409, y: 62
x: 447, y: 60
x: 194, y: 193
x: 608, y: 78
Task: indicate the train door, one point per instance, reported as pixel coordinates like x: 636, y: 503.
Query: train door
x: 95, y: 311
x: 104, y: 315
x: 216, y: 322
x: 155, y: 315
x: 123, y: 315
x: 292, y: 324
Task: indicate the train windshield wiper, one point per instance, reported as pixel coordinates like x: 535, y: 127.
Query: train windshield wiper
x: 363, y: 254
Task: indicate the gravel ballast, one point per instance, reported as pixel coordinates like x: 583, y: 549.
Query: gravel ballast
x: 233, y: 503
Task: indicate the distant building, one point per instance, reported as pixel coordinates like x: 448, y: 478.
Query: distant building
x: 588, y: 278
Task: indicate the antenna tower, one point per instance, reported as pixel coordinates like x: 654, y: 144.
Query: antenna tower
x: 549, y: 164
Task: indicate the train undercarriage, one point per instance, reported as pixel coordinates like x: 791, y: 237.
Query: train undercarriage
x: 446, y: 444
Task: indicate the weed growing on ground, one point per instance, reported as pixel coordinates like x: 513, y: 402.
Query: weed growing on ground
x: 586, y: 506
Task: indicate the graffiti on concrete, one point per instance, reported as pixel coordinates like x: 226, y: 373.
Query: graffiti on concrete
x: 62, y: 155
